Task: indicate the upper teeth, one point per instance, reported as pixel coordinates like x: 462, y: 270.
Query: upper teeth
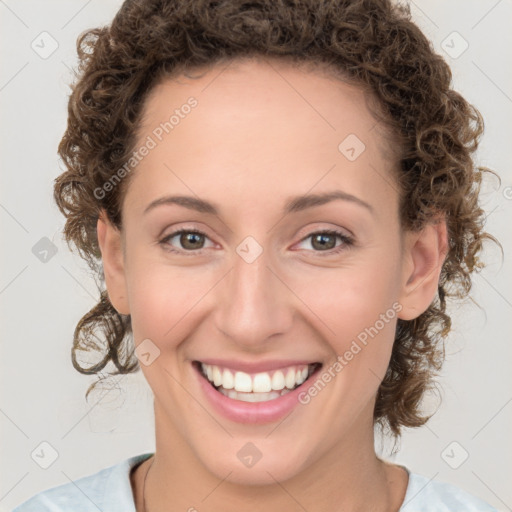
x: 260, y: 382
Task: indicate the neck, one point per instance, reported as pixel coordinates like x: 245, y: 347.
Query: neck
x: 346, y: 477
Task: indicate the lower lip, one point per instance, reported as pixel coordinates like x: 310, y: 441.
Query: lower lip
x: 251, y: 412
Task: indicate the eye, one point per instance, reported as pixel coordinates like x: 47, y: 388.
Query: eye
x: 191, y: 240
x: 325, y: 241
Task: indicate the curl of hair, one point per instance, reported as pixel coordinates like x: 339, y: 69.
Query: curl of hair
x: 371, y: 43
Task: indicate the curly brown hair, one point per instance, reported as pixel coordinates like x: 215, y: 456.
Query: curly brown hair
x: 371, y: 43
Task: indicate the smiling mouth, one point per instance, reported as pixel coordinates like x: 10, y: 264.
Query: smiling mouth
x: 258, y: 387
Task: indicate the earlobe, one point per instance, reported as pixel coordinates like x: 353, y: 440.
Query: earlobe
x: 109, y: 240
x: 425, y: 252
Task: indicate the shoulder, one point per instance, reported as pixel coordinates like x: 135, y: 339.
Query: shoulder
x: 108, y: 489
x: 426, y: 494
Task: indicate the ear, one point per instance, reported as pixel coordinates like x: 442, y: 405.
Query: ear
x: 423, y: 258
x: 109, y: 240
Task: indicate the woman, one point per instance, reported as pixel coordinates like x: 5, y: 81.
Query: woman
x: 281, y: 197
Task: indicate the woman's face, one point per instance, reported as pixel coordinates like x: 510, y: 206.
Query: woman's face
x: 260, y: 290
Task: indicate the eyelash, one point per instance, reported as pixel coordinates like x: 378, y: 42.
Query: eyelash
x: 347, y: 241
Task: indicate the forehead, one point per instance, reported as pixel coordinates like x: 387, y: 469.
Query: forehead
x: 257, y: 127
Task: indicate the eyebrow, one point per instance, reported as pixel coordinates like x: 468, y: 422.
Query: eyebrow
x: 292, y: 205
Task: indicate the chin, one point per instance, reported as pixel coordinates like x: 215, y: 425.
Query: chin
x: 265, y: 471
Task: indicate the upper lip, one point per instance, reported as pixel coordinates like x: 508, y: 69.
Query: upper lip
x: 255, y: 367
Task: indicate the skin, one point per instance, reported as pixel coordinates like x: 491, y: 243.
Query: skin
x: 264, y: 131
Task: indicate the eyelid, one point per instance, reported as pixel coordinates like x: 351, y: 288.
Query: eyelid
x: 319, y: 227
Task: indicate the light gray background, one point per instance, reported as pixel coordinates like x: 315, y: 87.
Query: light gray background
x: 42, y: 396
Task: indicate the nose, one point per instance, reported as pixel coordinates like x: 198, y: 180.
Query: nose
x: 254, y: 304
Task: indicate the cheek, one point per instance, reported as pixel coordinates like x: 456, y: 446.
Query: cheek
x: 355, y: 309
x: 352, y: 297
x: 162, y: 296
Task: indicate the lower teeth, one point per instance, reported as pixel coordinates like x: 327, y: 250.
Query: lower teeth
x: 252, y: 397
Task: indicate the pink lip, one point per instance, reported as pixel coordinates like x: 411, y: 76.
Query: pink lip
x: 251, y: 412
x: 262, y: 366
